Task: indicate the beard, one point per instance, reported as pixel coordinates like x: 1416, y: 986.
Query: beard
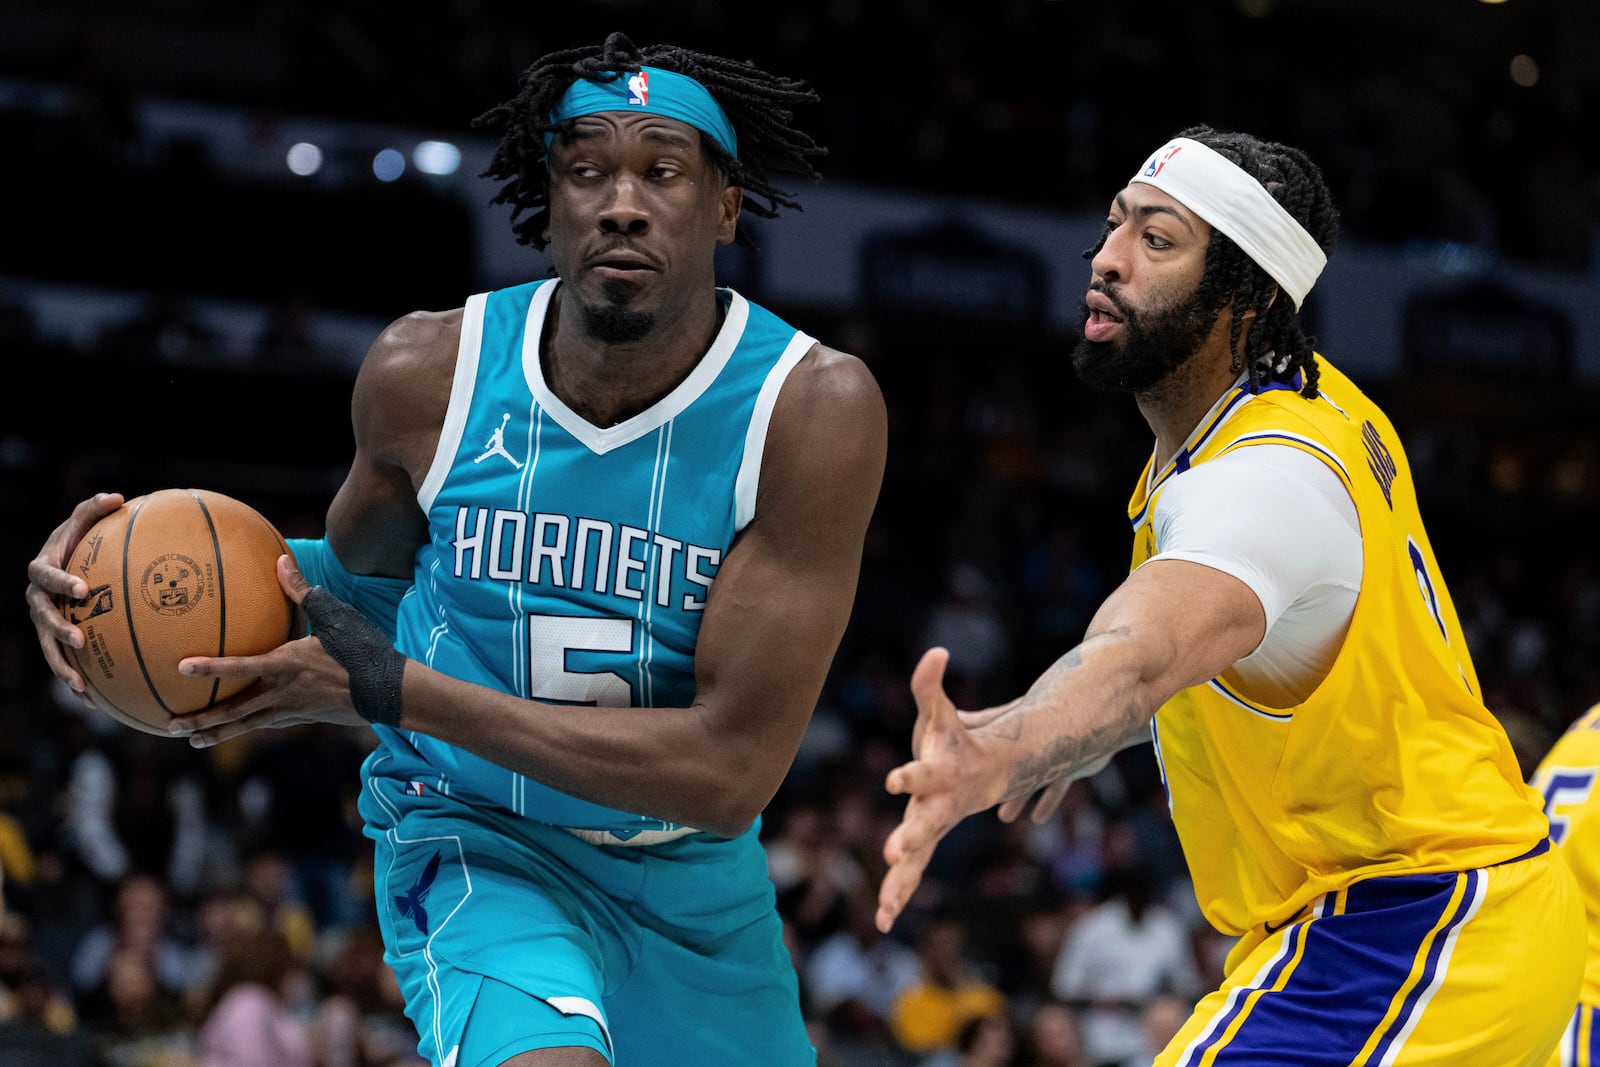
x: 615, y: 325
x: 1152, y: 346
x: 614, y: 322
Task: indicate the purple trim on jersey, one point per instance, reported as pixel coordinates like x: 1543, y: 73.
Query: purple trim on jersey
x: 1537, y: 850
x: 1304, y: 442
x: 1265, y: 713
x: 1297, y: 382
x: 1181, y: 462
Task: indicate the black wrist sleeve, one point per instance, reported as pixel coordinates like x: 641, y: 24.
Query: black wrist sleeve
x: 374, y: 666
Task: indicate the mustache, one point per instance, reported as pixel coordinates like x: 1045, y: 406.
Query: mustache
x: 1109, y: 294
x: 1123, y: 311
x: 623, y: 245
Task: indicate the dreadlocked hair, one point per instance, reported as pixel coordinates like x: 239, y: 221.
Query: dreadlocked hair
x: 760, y: 106
x: 1277, y: 345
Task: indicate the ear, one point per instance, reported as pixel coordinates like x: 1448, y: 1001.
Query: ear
x: 731, y: 204
x: 1248, y: 314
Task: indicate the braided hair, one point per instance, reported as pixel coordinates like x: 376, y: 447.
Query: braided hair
x: 1277, y: 345
x: 760, y: 106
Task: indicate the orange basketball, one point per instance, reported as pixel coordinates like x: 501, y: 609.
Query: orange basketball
x: 175, y: 573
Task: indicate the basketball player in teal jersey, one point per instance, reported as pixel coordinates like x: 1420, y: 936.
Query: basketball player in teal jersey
x: 613, y: 522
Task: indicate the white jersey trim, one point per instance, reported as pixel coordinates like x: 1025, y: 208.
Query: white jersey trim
x: 602, y: 440
x: 455, y: 417
x: 755, y: 438
x: 581, y: 1006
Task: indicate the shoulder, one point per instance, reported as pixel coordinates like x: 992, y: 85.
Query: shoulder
x: 827, y: 439
x: 415, y: 342
x: 406, y: 375
x: 831, y: 410
x: 835, y: 386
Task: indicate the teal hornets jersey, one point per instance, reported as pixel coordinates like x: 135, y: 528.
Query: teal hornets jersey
x: 569, y: 563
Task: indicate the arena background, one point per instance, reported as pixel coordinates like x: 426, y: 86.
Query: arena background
x: 186, y: 289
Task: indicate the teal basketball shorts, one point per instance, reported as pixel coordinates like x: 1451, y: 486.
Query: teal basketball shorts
x: 507, y: 934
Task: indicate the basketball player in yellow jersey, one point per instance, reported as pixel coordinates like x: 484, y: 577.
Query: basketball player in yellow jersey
x: 1567, y: 777
x: 1350, y: 810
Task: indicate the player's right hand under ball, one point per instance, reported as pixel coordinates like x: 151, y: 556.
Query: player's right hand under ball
x: 297, y: 683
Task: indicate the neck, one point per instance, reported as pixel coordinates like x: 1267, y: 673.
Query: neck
x: 609, y: 382
x: 1177, y: 403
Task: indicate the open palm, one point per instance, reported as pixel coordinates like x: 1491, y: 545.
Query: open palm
x: 947, y: 781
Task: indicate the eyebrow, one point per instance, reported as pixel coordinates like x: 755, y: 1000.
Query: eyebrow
x: 662, y: 134
x: 1146, y: 210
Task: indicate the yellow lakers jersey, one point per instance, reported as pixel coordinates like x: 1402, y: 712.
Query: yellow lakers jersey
x: 1393, y: 764
x: 1567, y: 777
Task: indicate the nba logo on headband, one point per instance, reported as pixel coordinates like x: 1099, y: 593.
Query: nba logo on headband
x: 1160, y: 159
x: 639, y: 89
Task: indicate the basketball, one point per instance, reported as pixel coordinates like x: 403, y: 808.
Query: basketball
x: 175, y: 573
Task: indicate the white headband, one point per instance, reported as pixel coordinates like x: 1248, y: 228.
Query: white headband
x: 1221, y: 192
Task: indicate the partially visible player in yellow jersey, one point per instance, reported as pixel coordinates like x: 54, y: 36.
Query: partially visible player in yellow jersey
x: 1350, y: 810
x: 1568, y: 777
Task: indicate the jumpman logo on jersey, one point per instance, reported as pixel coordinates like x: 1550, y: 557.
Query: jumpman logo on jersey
x: 410, y: 906
x: 496, y: 444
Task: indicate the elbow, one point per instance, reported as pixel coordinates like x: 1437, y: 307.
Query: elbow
x: 733, y: 775
x: 732, y: 798
x: 728, y: 828
x: 732, y: 810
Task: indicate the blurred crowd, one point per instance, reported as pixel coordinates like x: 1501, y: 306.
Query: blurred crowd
x: 172, y: 908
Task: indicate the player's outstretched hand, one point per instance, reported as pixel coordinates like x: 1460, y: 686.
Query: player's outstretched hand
x: 47, y: 580
x: 947, y: 781
x: 1047, y: 800
x: 298, y: 682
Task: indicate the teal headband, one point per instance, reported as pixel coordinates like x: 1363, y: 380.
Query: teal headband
x: 660, y: 92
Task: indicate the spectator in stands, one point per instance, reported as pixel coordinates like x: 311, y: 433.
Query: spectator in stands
x: 137, y: 944
x: 855, y: 976
x: 1126, y: 950
x: 252, y: 1016
x: 950, y: 991
x: 1054, y: 1037
x: 982, y: 1041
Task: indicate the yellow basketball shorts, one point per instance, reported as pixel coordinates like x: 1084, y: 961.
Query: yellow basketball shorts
x: 1476, y: 968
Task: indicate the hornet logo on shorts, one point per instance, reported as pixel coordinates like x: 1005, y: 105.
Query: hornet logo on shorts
x: 411, y: 904
x: 639, y: 88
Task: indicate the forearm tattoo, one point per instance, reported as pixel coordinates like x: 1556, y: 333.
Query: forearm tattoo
x: 1067, y: 753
